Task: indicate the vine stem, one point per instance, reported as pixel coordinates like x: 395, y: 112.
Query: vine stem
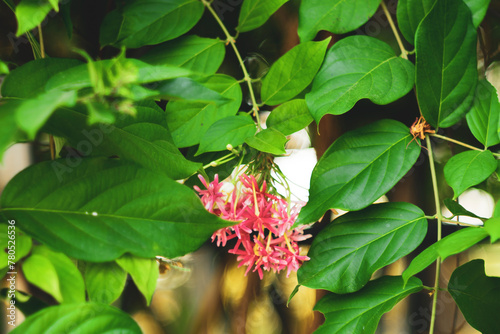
x: 404, y: 53
x: 231, y: 40
x: 452, y: 221
x: 439, y: 220
x: 460, y: 143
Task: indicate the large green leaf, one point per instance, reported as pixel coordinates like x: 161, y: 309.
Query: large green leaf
x: 30, y: 13
x: 293, y: 72
x: 411, y: 12
x: 361, y: 311
x: 32, y: 114
x: 359, y: 167
x: 452, y: 244
x: 148, y: 22
x: 188, y: 121
x: 336, y: 16
x: 104, y: 281
x: 477, y: 296
x: 347, y: 252
x: 484, y: 117
x: 79, y: 318
x: 290, y: 117
x: 30, y: 79
x: 268, y: 140
x: 202, y: 55
x: 143, y: 271
x: 55, y: 274
x: 469, y: 168
x: 232, y: 130
x: 144, y: 139
x: 355, y: 68
x: 255, y: 13
x: 103, y: 208
x: 446, y: 69
x: 492, y: 227
x: 189, y: 89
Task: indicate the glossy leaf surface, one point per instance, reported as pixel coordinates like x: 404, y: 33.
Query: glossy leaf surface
x: 467, y: 169
x: 446, y: 72
x: 361, y: 311
x: 80, y: 318
x: 356, y: 68
x: 232, y: 130
x: 103, y: 208
x: 189, y: 121
x: 293, y: 72
x: 149, y: 22
x: 347, y: 252
x: 359, y: 167
x: 484, y: 117
x: 268, y: 140
x: 477, y: 295
x: 104, y: 281
x: 336, y: 16
x: 450, y: 245
x: 255, y: 13
x: 290, y: 117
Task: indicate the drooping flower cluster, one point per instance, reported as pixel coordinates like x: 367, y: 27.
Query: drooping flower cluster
x: 265, y: 240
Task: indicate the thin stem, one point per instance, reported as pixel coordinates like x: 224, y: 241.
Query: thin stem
x: 452, y: 221
x: 404, y: 53
x: 42, y: 47
x: 439, y: 220
x: 231, y: 40
x: 456, y: 142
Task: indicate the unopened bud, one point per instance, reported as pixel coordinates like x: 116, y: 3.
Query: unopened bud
x: 229, y: 147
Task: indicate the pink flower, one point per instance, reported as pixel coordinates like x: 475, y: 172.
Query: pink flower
x: 265, y: 240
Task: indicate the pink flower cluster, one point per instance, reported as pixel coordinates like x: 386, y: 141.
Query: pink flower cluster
x: 265, y: 239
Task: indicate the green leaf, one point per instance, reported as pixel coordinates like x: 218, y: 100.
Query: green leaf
x: 32, y: 114
x: 4, y: 69
x: 290, y: 117
x: 355, y: 68
x: 293, y: 72
x: 30, y: 13
x: 16, y: 84
x: 467, y: 169
x: 55, y: 274
x: 66, y: 17
x: 232, y: 130
x: 188, y: 121
x: 446, y: 69
x: 255, y: 13
x: 79, y: 318
x: 104, y: 281
x: 100, y: 209
x: 358, y: 243
x: 189, y: 89
x: 336, y: 16
x: 79, y: 76
x: 457, y: 210
x: 8, y: 130
x: 492, y: 226
x: 268, y: 140
x: 202, y: 55
x: 14, y: 243
x: 149, y: 22
x: 144, y: 272
x: 144, y: 139
x: 55, y: 4
x: 477, y: 296
x: 411, y: 12
x: 361, y: 311
x: 452, y: 244
x: 484, y: 117
x: 359, y: 167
